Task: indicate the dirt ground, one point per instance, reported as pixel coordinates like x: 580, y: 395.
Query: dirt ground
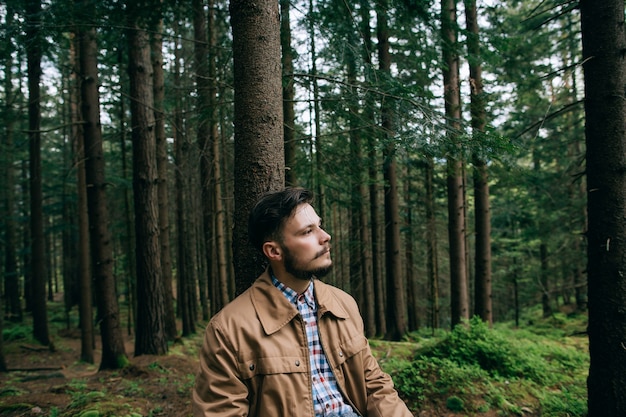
x: 44, y: 383
x: 56, y: 384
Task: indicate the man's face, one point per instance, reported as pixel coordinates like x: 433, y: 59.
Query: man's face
x: 305, y: 245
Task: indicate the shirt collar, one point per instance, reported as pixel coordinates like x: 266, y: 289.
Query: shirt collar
x: 292, y: 296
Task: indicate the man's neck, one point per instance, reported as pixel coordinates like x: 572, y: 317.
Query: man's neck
x: 299, y: 285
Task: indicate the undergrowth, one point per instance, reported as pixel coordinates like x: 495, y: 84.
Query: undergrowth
x: 475, y: 368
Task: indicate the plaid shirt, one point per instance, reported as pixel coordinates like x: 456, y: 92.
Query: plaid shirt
x: 327, y: 400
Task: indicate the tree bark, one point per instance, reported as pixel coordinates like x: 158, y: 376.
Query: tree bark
x: 259, y: 145
x: 459, y: 302
x: 169, y: 316
x: 604, y: 42
x: 37, y: 237
x: 150, y: 324
x: 113, y: 350
x: 482, y: 216
x: 84, y: 276
x: 289, y: 115
x: 396, y: 304
x: 11, y: 279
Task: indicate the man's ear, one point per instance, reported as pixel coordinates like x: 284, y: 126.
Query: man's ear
x: 272, y: 251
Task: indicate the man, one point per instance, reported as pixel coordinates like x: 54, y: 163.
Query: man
x: 291, y: 345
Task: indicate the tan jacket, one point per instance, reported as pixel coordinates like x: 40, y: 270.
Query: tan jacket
x: 255, y: 360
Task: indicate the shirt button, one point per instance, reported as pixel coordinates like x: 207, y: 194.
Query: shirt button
x: 341, y: 354
x: 297, y: 363
x: 252, y: 367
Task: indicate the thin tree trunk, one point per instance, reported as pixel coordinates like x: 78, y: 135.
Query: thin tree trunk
x: 459, y: 302
x: 85, y: 299
x: 289, y: 115
x: 317, y: 117
x: 185, y: 244
x: 396, y: 304
x: 482, y: 279
x: 11, y: 280
x: 38, y: 250
x: 162, y: 174
x: 432, y: 262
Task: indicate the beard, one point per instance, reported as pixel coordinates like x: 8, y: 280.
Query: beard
x: 292, y: 267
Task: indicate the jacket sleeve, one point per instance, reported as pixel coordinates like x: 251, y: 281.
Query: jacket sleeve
x: 382, y: 398
x: 219, y: 390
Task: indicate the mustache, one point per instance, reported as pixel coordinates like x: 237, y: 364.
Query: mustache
x: 323, y: 251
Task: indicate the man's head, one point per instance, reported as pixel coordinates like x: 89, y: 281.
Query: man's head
x: 286, y: 229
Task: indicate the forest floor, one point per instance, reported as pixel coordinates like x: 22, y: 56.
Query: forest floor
x: 44, y: 383
x: 47, y: 383
x: 56, y: 384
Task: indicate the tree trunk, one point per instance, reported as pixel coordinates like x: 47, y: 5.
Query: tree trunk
x: 432, y: 262
x: 150, y: 324
x: 259, y: 145
x: 604, y: 42
x: 289, y: 115
x: 396, y: 304
x: 186, y: 266
x: 482, y: 216
x: 162, y: 174
x: 85, y: 299
x: 113, y: 350
x: 13, y: 307
x: 459, y: 302
x: 37, y: 236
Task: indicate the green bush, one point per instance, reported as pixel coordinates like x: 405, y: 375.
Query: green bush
x: 475, y: 344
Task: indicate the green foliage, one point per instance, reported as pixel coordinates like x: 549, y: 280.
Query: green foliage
x: 16, y: 332
x: 474, y: 344
x: 454, y: 403
x: 475, y: 369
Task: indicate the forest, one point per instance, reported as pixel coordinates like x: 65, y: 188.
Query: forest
x: 467, y: 159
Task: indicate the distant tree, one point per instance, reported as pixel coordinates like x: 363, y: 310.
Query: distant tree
x: 85, y: 41
x: 150, y: 335
x: 259, y: 146
x: 482, y: 216
x: 459, y: 302
x: 34, y: 47
x: 11, y: 279
x: 156, y: 44
x: 289, y: 116
x: 396, y: 304
x: 604, y: 43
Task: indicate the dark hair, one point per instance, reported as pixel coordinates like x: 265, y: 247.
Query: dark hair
x: 269, y: 214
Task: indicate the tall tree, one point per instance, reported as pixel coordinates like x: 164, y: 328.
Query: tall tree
x: 259, y: 146
x: 604, y: 42
x: 38, y: 252
x: 459, y: 302
x: 150, y: 335
x: 113, y: 350
x: 289, y: 115
x: 482, y: 216
x: 396, y: 304
x: 11, y: 279
x: 84, y: 276
x: 219, y: 205
x: 169, y: 316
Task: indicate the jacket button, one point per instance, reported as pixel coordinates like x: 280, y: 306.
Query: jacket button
x: 252, y: 367
x: 297, y: 363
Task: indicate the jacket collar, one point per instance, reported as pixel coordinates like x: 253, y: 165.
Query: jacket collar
x: 274, y: 311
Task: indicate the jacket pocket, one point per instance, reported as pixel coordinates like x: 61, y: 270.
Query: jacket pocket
x: 252, y: 365
x: 348, y: 348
